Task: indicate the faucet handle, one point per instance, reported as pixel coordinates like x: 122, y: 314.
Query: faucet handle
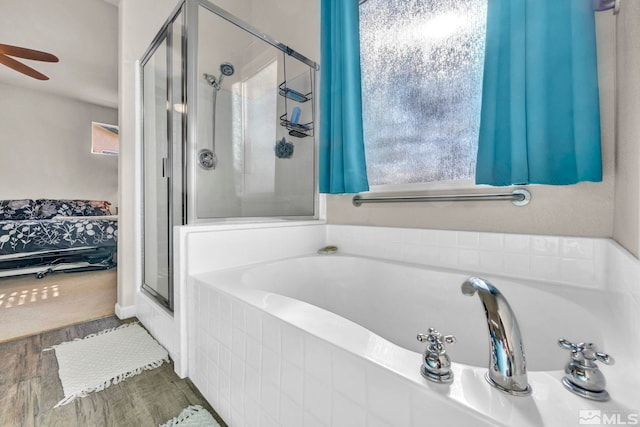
x: 436, y: 365
x: 583, y: 377
x: 585, y: 352
x: 436, y: 340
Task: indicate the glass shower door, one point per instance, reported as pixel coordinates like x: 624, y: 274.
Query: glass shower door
x: 163, y: 140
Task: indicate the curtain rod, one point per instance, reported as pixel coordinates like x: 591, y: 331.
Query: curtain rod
x: 519, y: 197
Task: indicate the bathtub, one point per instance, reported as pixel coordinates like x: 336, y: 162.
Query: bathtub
x: 331, y: 340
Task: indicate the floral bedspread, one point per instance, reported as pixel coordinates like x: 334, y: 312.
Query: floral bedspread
x: 33, y: 235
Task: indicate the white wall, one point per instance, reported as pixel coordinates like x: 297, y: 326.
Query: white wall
x: 627, y: 200
x: 45, y: 148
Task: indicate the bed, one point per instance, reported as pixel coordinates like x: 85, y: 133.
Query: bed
x: 46, y: 235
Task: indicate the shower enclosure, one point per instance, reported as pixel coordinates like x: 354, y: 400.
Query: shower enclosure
x: 227, y: 131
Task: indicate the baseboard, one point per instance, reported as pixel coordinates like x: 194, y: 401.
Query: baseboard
x: 125, y: 312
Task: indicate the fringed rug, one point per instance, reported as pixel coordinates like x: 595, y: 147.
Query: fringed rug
x: 193, y: 416
x: 95, y: 362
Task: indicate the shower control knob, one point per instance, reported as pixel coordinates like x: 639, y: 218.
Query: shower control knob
x: 584, y: 378
x: 436, y: 364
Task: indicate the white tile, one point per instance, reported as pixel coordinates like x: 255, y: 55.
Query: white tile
x: 346, y: 413
x: 448, y: 257
x: 447, y: 238
x: 292, y: 381
x: 492, y: 262
x: 237, y: 417
x: 269, y: 400
x: 290, y: 413
x: 545, y: 245
x: 516, y: 243
x: 373, y: 421
x: 577, y: 248
x: 252, y: 415
x: 292, y: 348
x: 237, y: 395
x: 226, y: 335
x: 468, y: 258
x: 271, y: 367
x: 349, y: 377
x: 428, y: 237
x: 579, y: 271
x: 468, y: 239
x: 237, y: 373
x: 546, y: 267
x: 317, y: 398
x: 518, y: 264
x: 237, y: 310
x: 253, y: 354
x: 411, y: 253
x: 225, y: 359
x: 253, y: 323
x: 252, y: 385
x: 224, y: 387
x: 317, y: 358
x: 387, y: 397
x: 271, y: 334
x: 409, y: 236
x: 266, y: 421
x: 311, y: 421
x: 212, y: 380
x: 430, y: 255
x: 492, y: 241
x: 223, y: 409
x: 238, y: 343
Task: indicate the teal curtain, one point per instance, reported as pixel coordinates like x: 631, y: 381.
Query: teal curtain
x: 540, y: 119
x: 342, y: 166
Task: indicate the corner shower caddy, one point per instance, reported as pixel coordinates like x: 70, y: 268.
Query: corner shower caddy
x: 299, y: 130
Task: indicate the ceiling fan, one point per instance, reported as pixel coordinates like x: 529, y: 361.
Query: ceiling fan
x: 7, y: 51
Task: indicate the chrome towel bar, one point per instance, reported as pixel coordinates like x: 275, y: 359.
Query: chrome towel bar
x: 519, y: 197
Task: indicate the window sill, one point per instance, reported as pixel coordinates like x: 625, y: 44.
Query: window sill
x: 461, y: 184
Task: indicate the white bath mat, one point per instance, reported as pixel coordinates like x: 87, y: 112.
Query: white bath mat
x: 193, y: 416
x: 95, y: 362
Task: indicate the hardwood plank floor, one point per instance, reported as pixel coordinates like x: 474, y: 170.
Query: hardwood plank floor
x: 30, y: 388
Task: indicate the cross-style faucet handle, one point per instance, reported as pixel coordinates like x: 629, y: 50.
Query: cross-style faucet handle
x: 583, y: 377
x: 436, y: 340
x: 585, y: 352
x: 436, y: 365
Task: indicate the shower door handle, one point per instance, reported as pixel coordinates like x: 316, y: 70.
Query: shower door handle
x: 165, y: 167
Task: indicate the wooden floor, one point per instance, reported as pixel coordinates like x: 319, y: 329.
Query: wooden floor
x: 30, y: 387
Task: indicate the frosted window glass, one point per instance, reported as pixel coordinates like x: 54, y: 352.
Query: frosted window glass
x: 421, y: 82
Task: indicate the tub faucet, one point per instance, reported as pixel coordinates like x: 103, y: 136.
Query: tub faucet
x: 507, y: 367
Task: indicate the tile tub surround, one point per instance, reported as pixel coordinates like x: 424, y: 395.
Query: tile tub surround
x: 253, y: 364
x: 263, y: 356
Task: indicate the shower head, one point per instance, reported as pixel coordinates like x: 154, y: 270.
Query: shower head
x: 226, y: 69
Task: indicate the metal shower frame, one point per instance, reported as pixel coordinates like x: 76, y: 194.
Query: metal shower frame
x: 188, y: 178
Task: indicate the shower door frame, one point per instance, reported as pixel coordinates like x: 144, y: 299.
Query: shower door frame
x: 188, y: 167
x: 165, y: 34
x: 192, y: 11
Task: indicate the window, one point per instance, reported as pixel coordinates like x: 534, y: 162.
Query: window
x: 104, y: 139
x: 422, y: 67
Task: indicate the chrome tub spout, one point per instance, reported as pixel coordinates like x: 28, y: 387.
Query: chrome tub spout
x: 507, y: 367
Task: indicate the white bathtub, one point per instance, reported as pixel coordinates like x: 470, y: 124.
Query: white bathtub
x: 339, y: 331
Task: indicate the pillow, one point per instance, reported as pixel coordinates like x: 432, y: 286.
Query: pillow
x: 48, y: 208
x: 17, y: 209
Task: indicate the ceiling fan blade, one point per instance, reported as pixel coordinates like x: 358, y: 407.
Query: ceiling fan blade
x: 25, y: 53
x: 20, y: 67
